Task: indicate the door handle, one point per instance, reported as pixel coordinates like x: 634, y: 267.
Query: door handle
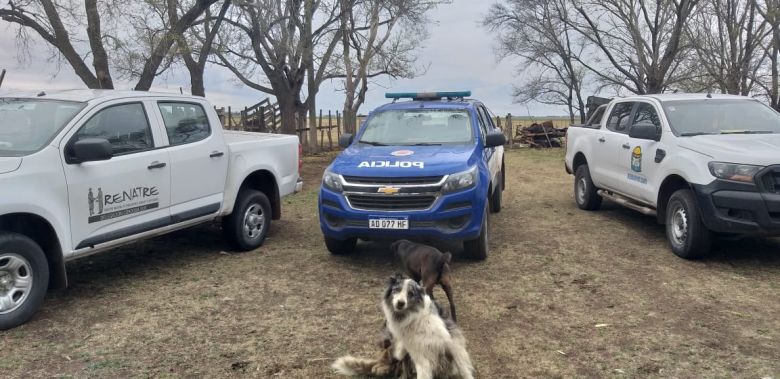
x: 602, y: 140
x: 626, y: 146
x: 155, y: 165
x: 216, y: 154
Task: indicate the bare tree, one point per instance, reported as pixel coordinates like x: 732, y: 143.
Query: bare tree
x: 643, y: 41
x: 195, y: 46
x: 274, y: 46
x: 59, y: 24
x: 538, y: 33
x: 379, y: 38
x: 727, y: 37
x: 770, y: 11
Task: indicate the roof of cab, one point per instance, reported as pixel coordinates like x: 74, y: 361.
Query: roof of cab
x: 429, y: 104
x: 662, y: 97
x: 88, y: 95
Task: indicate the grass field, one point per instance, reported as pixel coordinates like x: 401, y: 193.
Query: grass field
x: 564, y: 293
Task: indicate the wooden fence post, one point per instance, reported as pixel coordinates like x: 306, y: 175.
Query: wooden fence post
x: 230, y: 119
x: 509, y: 128
x: 262, y: 119
x: 244, y: 119
x: 338, y: 124
x: 322, y: 131
x: 330, y: 131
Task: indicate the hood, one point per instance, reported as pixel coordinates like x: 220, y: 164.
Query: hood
x: 9, y: 164
x: 757, y: 149
x: 366, y: 160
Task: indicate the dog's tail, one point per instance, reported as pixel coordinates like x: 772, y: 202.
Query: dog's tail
x: 351, y: 366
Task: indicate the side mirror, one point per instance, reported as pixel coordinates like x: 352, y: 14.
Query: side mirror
x: 645, y: 130
x: 91, y: 149
x: 345, y: 140
x: 493, y: 139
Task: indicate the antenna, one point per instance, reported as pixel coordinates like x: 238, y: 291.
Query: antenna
x: 2, y: 76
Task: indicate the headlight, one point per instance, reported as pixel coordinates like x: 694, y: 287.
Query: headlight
x: 461, y: 180
x: 332, y: 181
x: 735, y: 172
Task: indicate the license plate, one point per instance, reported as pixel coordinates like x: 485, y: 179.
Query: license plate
x: 388, y: 223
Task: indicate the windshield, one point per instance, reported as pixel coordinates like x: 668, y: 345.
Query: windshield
x: 690, y: 118
x: 26, y: 125
x: 418, y: 127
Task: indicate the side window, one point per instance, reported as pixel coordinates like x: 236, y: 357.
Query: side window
x: 483, y: 123
x: 646, y: 113
x: 595, y: 119
x: 125, y: 126
x: 619, y: 118
x: 184, y: 122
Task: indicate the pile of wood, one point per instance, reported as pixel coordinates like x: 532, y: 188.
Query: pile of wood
x: 541, y: 135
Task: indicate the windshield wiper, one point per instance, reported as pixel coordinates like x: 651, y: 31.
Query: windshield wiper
x: 747, y: 132
x: 424, y: 144
x: 691, y: 134
x: 372, y: 143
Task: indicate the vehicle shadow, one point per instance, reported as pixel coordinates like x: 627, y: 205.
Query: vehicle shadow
x: 736, y: 251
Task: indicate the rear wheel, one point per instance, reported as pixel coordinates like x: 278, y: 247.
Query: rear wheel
x: 477, y: 249
x: 24, y: 278
x: 245, y: 229
x: 340, y: 247
x: 585, y: 192
x: 688, y: 237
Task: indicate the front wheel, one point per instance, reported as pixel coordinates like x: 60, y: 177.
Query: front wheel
x: 245, y: 229
x: 340, y: 247
x: 585, y: 192
x: 24, y: 278
x: 685, y: 231
x: 477, y: 249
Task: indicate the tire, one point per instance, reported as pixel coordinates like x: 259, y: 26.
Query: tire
x: 245, y: 229
x: 24, y: 279
x: 340, y: 247
x: 688, y: 237
x: 477, y: 249
x: 495, y: 200
x: 585, y: 192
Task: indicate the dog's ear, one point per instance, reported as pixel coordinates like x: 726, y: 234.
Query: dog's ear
x: 447, y: 257
x: 394, y: 246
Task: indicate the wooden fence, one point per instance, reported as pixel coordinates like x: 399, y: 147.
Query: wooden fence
x: 264, y: 117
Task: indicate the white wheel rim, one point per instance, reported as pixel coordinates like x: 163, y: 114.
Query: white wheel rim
x: 254, y: 220
x: 16, y: 281
x: 581, y: 185
x: 679, y: 225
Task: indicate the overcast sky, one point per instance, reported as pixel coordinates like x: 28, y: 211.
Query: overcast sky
x: 459, y: 56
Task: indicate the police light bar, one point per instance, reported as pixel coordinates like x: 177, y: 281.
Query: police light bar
x: 427, y: 95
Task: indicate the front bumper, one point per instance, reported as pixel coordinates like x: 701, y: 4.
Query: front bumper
x: 452, y: 217
x: 739, y: 208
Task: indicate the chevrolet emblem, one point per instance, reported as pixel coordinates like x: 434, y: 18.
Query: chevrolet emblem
x: 388, y: 190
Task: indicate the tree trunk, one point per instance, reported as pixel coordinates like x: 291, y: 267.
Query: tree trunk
x: 288, y: 112
x: 350, y: 121
x: 196, y: 82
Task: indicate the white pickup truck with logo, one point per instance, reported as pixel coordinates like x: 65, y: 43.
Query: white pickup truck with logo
x: 84, y: 171
x: 704, y: 165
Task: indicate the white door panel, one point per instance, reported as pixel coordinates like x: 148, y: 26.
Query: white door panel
x: 199, y: 156
x: 129, y: 192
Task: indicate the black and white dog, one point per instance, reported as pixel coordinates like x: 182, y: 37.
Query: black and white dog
x: 436, y: 346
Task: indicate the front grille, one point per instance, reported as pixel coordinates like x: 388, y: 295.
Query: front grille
x: 419, y: 180
x: 771, y: 181
x: 391, y: 203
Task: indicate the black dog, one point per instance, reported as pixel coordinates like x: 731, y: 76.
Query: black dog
x: 427, y: 265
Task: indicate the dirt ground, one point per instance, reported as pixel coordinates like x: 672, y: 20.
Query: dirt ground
x: 564, y: 293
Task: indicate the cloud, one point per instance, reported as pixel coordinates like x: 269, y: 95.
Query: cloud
x: 458, y: 56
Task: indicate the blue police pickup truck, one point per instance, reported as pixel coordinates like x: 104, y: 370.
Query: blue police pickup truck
x: 428, y: 168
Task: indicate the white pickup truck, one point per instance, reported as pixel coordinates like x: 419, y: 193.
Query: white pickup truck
x: 703, y: 164
x: 84, y: 171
